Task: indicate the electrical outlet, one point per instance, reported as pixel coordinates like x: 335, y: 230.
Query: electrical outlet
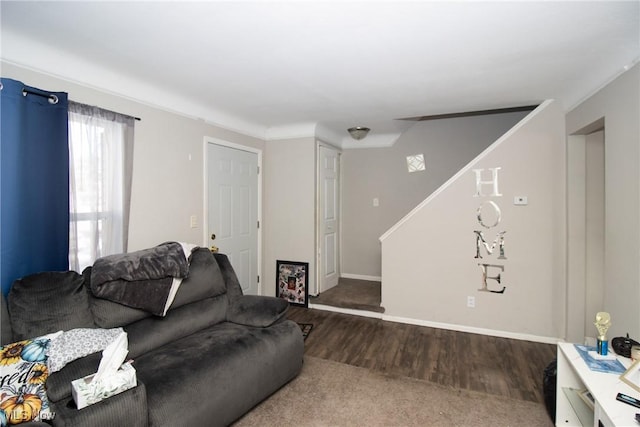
x: 471, y: 302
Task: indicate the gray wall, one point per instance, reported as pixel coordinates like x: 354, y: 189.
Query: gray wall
x: 289, y: 207
x: 429, y: 264
x: 168, y: 164
x: 447, y: 145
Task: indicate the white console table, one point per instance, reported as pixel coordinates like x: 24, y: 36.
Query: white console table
x: 574, y: 375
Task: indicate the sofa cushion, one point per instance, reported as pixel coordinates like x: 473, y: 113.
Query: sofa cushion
x: 234, y: 290
x: 205, y: 279
x: 23, y: 373
x: 48, y: 302
x: 256, y: 310
x: 144, y: 336
x: 153, y: 332
x: 214, y: 376
x: 108, y: 314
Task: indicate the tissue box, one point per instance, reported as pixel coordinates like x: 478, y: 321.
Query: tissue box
x: 87, y: 393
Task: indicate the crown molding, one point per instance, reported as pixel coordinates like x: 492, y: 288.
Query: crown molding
x: 31, y: 55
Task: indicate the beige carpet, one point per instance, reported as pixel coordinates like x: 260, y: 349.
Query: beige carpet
x: 328, y: 393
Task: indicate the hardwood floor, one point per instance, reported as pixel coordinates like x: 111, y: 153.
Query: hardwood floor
x: 498, y: 366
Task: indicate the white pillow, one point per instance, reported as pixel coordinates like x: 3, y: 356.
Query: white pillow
x: 77, y: 343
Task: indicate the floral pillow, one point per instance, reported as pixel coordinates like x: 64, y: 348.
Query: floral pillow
x: 23, y: 372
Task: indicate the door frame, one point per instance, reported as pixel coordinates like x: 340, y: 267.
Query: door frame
x: 580, y: 291
x: 318, y: 214
x: 205, y: 196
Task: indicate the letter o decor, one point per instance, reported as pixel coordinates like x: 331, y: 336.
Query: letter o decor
x: 498, y: 214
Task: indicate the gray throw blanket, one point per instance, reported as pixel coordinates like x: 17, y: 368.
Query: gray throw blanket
x: 141, y: 279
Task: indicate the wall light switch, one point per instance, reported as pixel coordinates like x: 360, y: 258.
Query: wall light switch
x: 520, y: 201
x: 376, y: 202
x: 193, y: 221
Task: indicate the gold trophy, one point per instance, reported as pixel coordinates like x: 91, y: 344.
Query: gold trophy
x: 603, y: 323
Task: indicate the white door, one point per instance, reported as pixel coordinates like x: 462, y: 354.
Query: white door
x: 329, y: 218
x: 232, y: 188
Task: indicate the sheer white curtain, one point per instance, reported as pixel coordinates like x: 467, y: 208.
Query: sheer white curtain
x: 101, y: 159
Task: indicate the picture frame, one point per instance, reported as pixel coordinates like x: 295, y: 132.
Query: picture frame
x: 292, y: 280
x: 632, y: 375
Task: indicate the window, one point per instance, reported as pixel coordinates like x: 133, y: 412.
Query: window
x: 415, y: 163
x: 101, y: 154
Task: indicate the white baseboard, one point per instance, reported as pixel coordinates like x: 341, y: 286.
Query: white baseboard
x: 474, y: 330
x: 438, y: 325
x: 361, y: 277
x: 431, y: 324
x: 362, y: 313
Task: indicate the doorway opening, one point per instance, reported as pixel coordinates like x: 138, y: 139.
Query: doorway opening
x: 334, y: 292
x: 586, y: 214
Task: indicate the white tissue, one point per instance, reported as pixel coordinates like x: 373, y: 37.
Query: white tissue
x: 112, y: 358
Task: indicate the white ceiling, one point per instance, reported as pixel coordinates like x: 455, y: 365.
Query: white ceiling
x: 276, y: 69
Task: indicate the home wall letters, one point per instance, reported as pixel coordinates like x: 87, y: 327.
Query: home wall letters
x: 498, y: 241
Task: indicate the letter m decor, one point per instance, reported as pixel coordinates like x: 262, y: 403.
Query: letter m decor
x: 498, y: 241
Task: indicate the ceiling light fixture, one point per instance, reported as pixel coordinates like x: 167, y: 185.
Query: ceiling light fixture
x: 358, y: 132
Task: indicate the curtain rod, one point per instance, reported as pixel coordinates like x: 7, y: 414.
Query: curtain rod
x: 109, y: 111
x: 53, y: 99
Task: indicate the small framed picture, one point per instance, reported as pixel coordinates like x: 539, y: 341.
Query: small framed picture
x: 632, y: 375
x: 292, y: 280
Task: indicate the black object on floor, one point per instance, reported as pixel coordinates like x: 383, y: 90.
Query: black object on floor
x: 549, y: 384
x: 306, y: 329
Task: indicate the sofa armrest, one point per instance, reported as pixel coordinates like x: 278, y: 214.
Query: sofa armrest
x: 258, y: 311
x: 128, y: 408
x: 59, y: 383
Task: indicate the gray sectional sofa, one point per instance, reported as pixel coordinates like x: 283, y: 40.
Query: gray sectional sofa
x: 213, y: 357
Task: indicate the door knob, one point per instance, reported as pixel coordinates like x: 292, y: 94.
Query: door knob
x: 213, y: 248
